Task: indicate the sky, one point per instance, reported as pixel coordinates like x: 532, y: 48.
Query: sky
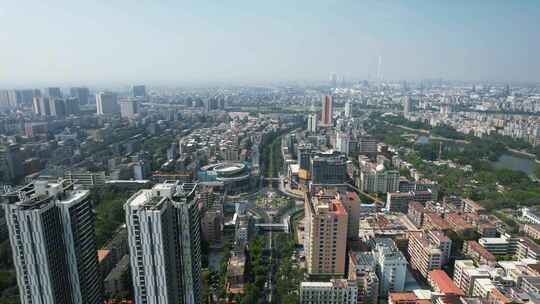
x: 57, y: 42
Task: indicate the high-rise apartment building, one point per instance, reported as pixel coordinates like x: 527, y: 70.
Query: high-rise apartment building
x: 407, y: 106
x: 343, y: 142
x: 312, y: 123
x: 164, y: 243
x: 53, y: 92
x: 82, y: 94
x: 11, y: 166
x: 57, y: 106
x: 72, y: 105
x: 129, y: 108
x: 51, y: 231
x: 326, y: 223
x: 351, y: 202
x: 327, y: 111
x: 41, y: 106
x: 348, y: 109
x: 106, y: 103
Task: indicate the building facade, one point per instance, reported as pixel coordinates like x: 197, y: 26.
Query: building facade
x: 164, y: 244
x: 51, y: 231
x: 326, y: 223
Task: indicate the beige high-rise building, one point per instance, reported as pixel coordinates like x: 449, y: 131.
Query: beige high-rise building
x: 326, y: 222
x: 351, y: 202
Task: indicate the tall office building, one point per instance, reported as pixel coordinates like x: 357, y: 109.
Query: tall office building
x: 164, y: 244
x: 106, y: 103
x: 327, y: 111
x: 326, y: 223
x: 53, y: 92
x: 138, y: 91
x: 328, y: 168
x: 51, y: 231
x: 129, y: 108
x: 82, y: 94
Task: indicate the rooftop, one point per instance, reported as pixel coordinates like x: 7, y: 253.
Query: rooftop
x: 443, y: 283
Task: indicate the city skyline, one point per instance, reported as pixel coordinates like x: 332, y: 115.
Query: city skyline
x: 194, y: 43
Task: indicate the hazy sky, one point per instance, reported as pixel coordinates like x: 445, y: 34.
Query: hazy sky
x: 96, y: 42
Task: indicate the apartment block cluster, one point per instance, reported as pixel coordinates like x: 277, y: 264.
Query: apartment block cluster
x: 510, y: 117
x: 412, y: 238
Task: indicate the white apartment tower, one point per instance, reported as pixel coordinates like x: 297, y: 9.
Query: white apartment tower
x: 51, y: 231
x: 312, y: 123
x: 164, y: 244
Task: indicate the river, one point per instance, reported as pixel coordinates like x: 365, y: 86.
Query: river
x: 517, y: 163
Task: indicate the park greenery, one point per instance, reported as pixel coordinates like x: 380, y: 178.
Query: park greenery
x: 108, y: 204
x: 271, y: 155
x: 497, y: 142
x: 289, y: 275
x: 467, y: 169
x: 257, y: 272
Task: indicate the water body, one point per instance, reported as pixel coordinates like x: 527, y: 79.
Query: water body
x: 517, y: 163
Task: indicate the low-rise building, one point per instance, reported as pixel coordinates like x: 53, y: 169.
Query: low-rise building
x: 482, y: 287
x: 391, y: 266
x: 409, y: 297
x: 469, y: 205
x: 441, y: 282
x: 532, y: 230
x: 497, y: 246
x: 478, y: 253
x: 336, y: 291
x: 116, y: 281
x: 527, y: 248
x: 416, y: 213
x: 362, y: 269
x: 236, y: 273
x: 465, y: 273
